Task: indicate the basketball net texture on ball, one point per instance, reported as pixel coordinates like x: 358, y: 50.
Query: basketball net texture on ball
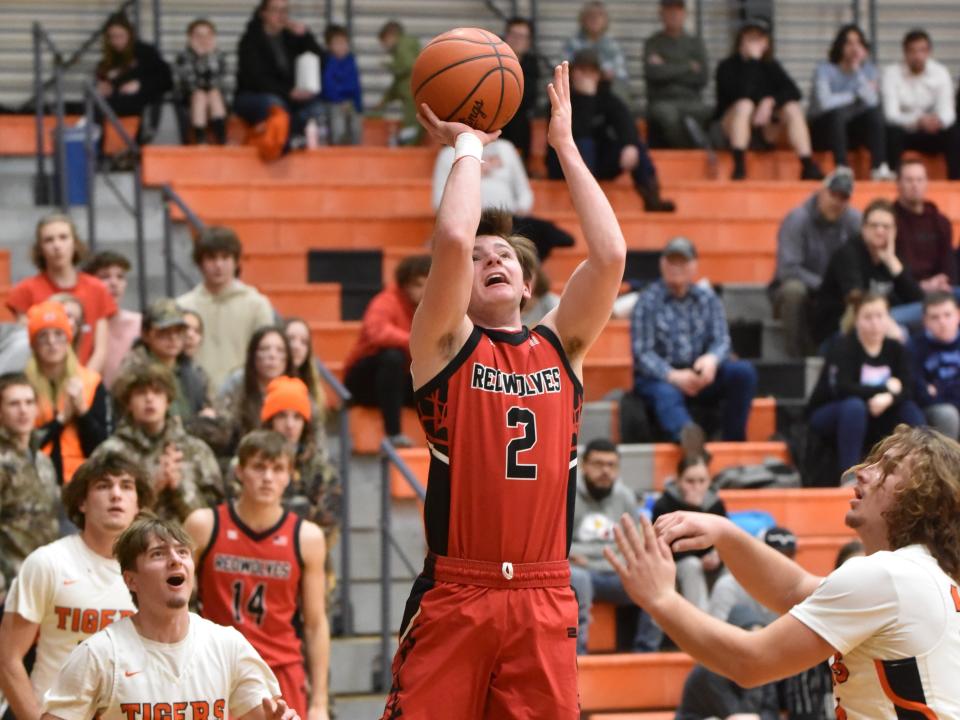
x: 469, y: 75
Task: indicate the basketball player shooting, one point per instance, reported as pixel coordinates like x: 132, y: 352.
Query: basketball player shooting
x: 889, y: 622
x: 163, y: 661
x: 489, y: 630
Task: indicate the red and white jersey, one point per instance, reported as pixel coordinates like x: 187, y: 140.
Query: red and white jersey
x: 71, y: 593
x: 501, y: 420
x: 894, y: 617
x: 251, y: 580
x: 212, y: 674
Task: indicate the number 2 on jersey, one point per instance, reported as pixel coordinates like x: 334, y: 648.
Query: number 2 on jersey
x: 255, y: 606
x: 525, y: 418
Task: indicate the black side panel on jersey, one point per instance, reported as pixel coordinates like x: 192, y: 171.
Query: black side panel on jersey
x: 903, y: 687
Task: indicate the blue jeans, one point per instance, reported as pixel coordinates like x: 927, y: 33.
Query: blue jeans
x: 254, y: 108
x: 734, y: 387
x: 604, y: 585
x: 849, y: 424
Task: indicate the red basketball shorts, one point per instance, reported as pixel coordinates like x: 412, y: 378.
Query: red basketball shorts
x: 293, y: 686
x: 485, y: 641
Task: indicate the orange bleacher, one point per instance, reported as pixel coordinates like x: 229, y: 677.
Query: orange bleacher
x: 650, y: 681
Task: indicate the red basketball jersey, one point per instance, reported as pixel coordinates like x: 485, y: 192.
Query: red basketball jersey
x: 501, y: 421
x: 251, y: 581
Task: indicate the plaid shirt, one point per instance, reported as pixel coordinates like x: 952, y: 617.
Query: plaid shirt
x: 668, y: 332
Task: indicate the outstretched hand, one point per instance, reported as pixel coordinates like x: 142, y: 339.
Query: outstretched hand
x: 685, y: 531
x: 560, y: 130
x: 278, y: 710
x: 446, y: 132
x: 646, y: 569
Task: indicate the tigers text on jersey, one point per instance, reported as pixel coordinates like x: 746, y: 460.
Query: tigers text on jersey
x: 212, y: 674
x: 251, y: 580
x: 501, y: 421
x: 71, y: 593
x: 894, y: 617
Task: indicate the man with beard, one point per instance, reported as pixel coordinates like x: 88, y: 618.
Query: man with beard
x: 601, y: 500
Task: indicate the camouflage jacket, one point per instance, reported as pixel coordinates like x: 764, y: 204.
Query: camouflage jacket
x: 201, y: 484
x: 314, y: 493
x: 29, y: 506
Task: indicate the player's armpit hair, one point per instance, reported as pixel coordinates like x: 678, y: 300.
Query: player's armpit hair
x: 927, y: 502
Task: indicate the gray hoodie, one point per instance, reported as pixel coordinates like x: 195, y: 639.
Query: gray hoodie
x: 593, y: 521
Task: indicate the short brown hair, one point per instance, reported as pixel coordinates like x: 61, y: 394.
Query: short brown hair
x: 79, y: 249
x: 267, y: 443
x: 142, y: 375
x: 14, y: 379
x: 108, y: 464
x: 927, y: 503
x: 135, y: 540
x: 216, y: 239
x: 106, y: 259
x: 880, y: 204
x: 411, y: 268
x: 856, y: 299
x: 938, y: 297
x: 499, y: 223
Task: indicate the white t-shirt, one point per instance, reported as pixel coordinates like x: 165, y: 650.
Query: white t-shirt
x: 119, y: 675
x: 894, y: 617
x: 71, y: 593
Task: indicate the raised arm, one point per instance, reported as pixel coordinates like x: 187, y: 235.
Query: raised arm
x: 440, y: 325
x: 588, y: 297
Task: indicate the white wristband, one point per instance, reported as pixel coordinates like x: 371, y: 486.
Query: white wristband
x: 468, y: 145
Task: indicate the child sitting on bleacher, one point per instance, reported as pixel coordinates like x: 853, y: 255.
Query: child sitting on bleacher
x: 341, y: 88
x: 201, y: 68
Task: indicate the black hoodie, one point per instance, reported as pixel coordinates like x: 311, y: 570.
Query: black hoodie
x: 257, y: 68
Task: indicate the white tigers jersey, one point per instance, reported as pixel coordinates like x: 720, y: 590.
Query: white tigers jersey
x: 212, y: 674
x: 71, y: 593
x: 894, y: 618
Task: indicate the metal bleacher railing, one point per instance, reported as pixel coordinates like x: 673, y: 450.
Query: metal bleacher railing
x: 389, y: 458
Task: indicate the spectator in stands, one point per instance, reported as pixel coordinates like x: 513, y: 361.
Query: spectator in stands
x: 378, y: 367
x: 868, y: 263
x: 193, y: 336
x: 519, y: 35
x: 845, y: 103
x: 865, y: 388
x: 606, y: 134
x: 201, y: 70
x: 691, y: 491
x: 230, y: 310
x: 681, y: 349
x: 73, y: 417
x: 593, y: 35
x: 727, y: 592
x: 756, y: 96
x: 504, y: 185
x: 266, y: 73
x: 601, y: 501
x: 74, y: 311
x: 542, y: 300
x: 935, y: 355
x: 240, y: 399
x: 403, y: 50
x: 182, y: 469
x: 340, y: 88
x: 123, y: 328
x: 918, y: 103
x: 924, y: 234
x: 29, y: 501
x: 675, y: 68
x: 297, y: 332
x: 808, y: 237
x: 708, y: 695
x: 314, y: 491
x: 57, y: 252
x: 131, y: 75
x: 162, y: 340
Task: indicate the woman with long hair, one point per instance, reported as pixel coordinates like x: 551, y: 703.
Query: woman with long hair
x: 73, y: 417
x: 57, y: 253
x: 304, y: 366
x: 865, y: 388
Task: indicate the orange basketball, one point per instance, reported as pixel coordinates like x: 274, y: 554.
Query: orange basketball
x: 471, y: 76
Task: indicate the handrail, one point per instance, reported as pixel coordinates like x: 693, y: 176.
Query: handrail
x: 40, y: 39
x: 170, y: 266
x: 92, y: 102
x: 390, y: 457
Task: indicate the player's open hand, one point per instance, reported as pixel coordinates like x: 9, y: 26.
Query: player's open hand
x: 645, y: 565
x: 683, y: 531
x: 446, y: 132
x: 278, y: 710
x: 560, y: 130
